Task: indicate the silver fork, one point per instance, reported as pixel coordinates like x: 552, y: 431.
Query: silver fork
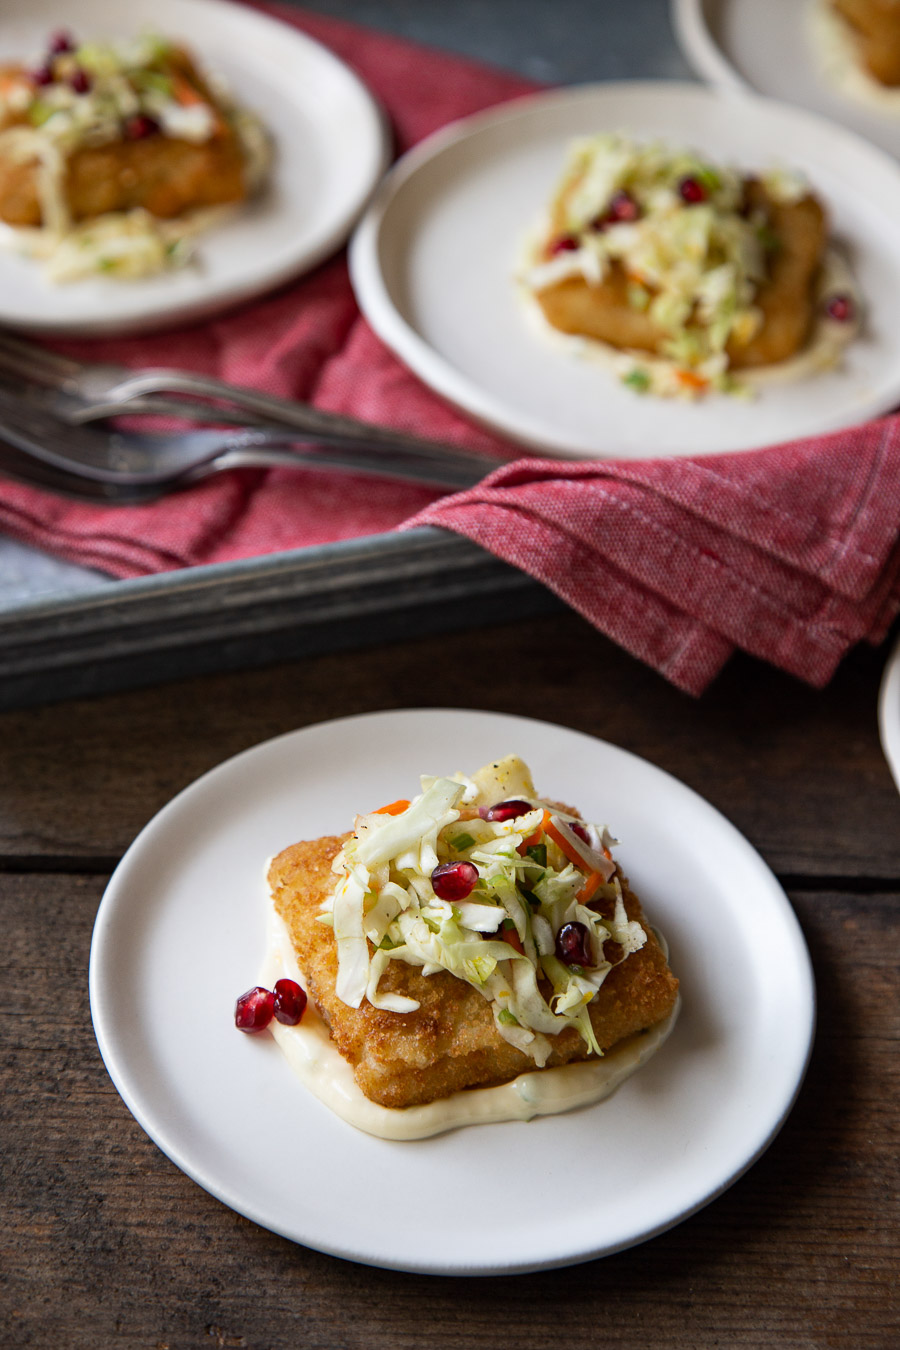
x: 94, y: 390
x: 137, y: 459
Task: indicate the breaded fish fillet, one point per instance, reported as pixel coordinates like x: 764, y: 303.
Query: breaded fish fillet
x: 162, y: 174
x: 876, y: 27
x: 450, y: 1042
x: 786, y: 298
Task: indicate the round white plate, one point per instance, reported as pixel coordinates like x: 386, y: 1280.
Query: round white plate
x: 772, y: 46
x: 889, y: 712
x: 181, y: 932
x: 434, y: 258
x: 331, y: 148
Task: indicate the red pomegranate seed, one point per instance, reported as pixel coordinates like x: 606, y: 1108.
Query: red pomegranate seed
x: 505, y: 810
x: 253, y: 1010
x: 692, y: 191
x: 577, y: 828
x: 454, y: 880
x: 42, y: 75
x: 139, y: 127
x: 573, y: 945
x: 61, y: 42
x: 622, y: 208
x: 840, y: 308
x: 566, y: 243
x: 80, y: 81
x: 289, y: 1002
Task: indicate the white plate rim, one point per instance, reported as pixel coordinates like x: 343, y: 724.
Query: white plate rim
x: 458, y: 388
x: 148, y: 315
x: 104, y: 997
x: 700, y: 48
x: 889, y: 712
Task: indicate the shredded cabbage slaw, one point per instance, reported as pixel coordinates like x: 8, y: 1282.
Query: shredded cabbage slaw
x: 535, y: 874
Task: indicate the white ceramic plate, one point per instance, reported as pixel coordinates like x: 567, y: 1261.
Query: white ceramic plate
x: 889, y: 712
x: 772, y: 46
x: 330, y: 148
x: 433, y: 262
x: 181, y: 932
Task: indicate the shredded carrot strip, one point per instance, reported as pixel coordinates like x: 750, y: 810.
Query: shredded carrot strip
x: 512, y: 937
x: 593, y: 879
x: 692, y: 381
x: 393, y: 808
x: 535, y: 838
x: 188, y: 97
x: 589, y: 887
x: 184, y: 91
x: 571, y: 853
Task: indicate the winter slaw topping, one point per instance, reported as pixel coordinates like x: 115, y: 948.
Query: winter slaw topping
x: 523, y: 880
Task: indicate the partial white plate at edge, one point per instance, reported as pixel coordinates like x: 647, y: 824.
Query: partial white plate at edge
x: 331, y: 147
x: 889, y: 712
x: 434, y: 258
x: 769, y: 46
x: 181, y: 931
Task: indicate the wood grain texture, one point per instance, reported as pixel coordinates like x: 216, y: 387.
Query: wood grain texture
x: 79, y: 779
x: 104, y: 1242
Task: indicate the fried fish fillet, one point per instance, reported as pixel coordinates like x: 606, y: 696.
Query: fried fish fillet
x: 785, y: 299
x: 876, y: 28
x: 164, y: 175
x: 450, y: 1042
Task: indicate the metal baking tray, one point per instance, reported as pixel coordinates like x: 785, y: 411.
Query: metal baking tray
x: 283, y: 606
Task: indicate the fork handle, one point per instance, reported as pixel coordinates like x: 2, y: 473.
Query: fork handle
x: 315, y: 423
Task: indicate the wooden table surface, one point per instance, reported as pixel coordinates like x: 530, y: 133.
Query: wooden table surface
x: 104, y: 1242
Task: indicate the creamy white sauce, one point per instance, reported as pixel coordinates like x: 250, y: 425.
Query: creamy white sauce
x: 311, y: 1054
x: 836, y: 53
x: 822, y: 352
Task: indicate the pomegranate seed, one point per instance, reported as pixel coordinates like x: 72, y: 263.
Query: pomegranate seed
x: 840, y: 308
x: 622, y: 208
x: 692, y: 191
x: 42, y: 75
x: 577, y: 828
x: 253, y: 1010
x: 289, y: 1002
x: 573, y: 945
x: 454, y: 880
x: 61, y: 42
x: 566, y: 243
x: 80, y: 81
x: 506, y: 810
x: 139, y: 127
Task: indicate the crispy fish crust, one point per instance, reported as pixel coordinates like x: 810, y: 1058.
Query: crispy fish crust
x: 450, y: 1042
x: 786, y: 298
x: 162, y: 174
x: 876, y: 25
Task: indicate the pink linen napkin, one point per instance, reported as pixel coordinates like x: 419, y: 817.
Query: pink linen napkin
x: 789, y: 553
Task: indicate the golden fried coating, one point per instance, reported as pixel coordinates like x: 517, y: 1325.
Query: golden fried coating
x: 450, y: 1042
x: 876, y: 27
x: 786, y: 298
x: 162, y: 174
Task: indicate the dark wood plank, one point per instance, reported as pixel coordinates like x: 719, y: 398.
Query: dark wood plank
x: 800, y: 772
x: 105, y: 1242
